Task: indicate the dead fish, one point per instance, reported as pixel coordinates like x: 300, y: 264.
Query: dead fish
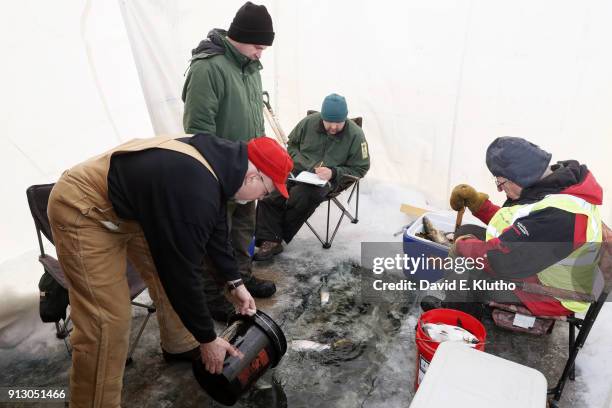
x: 262, y: 385
x: 435, y: 234
x: 440, y: 332
x: 308, y: 345
x: 342, y: 343
x: 324, y: 292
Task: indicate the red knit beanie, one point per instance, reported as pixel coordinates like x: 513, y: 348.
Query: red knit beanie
x: 272, y: 160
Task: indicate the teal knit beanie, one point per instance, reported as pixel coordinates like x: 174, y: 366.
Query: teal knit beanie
x: 334, y: 108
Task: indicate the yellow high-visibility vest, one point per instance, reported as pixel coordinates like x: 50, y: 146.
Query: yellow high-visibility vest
x: 576, y: 272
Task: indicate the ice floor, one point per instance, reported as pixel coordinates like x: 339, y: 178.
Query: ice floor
x: 376, y: 370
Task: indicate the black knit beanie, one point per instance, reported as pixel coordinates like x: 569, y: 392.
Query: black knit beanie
x: 252, y: 24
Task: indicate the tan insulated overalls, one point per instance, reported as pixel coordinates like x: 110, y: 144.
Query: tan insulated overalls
x: 92, y: 245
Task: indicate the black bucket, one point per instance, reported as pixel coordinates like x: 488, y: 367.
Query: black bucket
x: 263, y: 344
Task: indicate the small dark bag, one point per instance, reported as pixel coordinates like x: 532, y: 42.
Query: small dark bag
x: 53, y: 299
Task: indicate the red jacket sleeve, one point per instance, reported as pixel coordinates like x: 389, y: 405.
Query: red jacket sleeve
x: 486, y: 212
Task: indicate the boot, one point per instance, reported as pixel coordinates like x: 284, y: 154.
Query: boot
x: 259, y: 288
x: 220, y: 309
x: 187, y: 356
x: 267, y: 250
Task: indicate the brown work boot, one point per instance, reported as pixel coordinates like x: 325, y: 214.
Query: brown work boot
x: 267, y: 250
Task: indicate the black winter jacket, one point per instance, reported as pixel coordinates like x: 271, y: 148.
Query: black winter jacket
x: 181, y: 208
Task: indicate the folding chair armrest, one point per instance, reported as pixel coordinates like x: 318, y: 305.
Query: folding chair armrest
x: 344, y: 183
x: 53, y: 267
x: 350, y: 177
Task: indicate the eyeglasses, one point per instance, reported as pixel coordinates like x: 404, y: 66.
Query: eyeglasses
x: 264, y: 184
x: 499, y: 184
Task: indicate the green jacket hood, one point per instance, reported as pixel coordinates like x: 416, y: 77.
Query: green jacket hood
x: 213, y: 44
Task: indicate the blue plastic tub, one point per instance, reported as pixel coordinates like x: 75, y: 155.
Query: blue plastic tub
x: 416, y: 247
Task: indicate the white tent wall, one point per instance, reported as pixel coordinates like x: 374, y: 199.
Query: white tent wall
x: 162, y: 35
x: 437, y: 81
x: 152, y: 32
x: 540, y: 70
x: 434, y: 81
x: 70, y: 90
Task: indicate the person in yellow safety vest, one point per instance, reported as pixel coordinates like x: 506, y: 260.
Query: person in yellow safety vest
x: 547, y: 232
x: 161, y: 203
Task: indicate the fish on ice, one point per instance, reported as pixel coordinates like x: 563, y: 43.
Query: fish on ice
x: 324, y: 295
x: 440, y: 332
x: 308, y: 345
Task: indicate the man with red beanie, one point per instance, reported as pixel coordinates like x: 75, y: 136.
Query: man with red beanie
x: 161, y: 203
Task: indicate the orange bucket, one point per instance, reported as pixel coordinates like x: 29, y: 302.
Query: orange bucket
x: 426, y: 347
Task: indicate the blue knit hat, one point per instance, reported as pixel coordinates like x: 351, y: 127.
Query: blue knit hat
x: 518, y: 160
x: 334, y: 108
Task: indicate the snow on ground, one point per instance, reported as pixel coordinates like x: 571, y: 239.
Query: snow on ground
x: 379, y: 219
x: 595, y: 360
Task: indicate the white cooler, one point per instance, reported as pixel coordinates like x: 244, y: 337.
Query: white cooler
x: 461, y: 377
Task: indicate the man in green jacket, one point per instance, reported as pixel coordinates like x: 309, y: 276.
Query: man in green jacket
x: 223, y: 97
x: 327, y: 144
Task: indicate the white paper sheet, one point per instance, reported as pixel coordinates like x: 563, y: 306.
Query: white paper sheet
x: 309, y: 178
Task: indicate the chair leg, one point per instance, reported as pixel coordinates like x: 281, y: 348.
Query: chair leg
x: 336, y: 229
x: 356, y: 219
x: 572, y: 341
x: 61, y: 330
x: 150, y: 311
x: 583, y: 333
x: 316, y: 234
x: 344, y: 210
x: 327, y: 244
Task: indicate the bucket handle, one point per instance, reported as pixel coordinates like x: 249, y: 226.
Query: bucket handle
x: 468, y: 344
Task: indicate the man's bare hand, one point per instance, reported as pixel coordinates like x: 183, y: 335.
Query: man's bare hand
x: 324, y: 173
x: 243, y: 301
x: 213, y: 354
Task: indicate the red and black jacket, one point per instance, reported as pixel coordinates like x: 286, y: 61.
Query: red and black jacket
x: 518, y: 252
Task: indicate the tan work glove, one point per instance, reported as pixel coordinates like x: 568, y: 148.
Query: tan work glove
x: 465, y: 195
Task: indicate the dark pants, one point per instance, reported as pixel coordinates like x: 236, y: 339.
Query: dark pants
x: 241, y: 219
x: 280, y: 219
x: 465, y: 299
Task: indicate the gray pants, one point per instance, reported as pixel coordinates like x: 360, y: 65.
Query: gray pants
x: 280, y: 219
x: 241, y: 219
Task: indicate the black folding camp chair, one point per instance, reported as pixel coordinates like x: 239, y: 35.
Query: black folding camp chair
x: 346, y: 183
x: 38, y: 199
x: 598, y: 297
x: 584, y: 325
